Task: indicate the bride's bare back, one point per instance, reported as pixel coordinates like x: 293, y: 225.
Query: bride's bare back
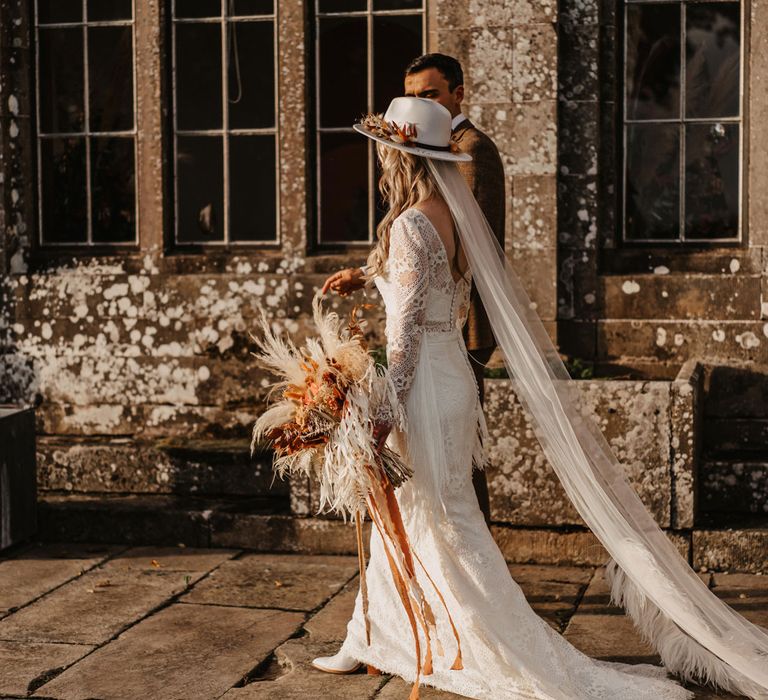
x: 437, y: 211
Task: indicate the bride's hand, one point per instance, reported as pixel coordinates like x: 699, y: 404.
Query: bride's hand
x: 344, y: 281
x: 381, y: 432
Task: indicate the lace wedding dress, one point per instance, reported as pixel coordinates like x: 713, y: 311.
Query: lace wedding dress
x: 508, y: 651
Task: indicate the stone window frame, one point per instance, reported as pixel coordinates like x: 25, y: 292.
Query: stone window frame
x: 682, y: 120
x: 87, y: 134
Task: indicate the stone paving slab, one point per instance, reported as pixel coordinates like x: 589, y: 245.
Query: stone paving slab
x: 183, y: 651
x: 602, y: 631
x: 746, y: 594
x: 103, y: 601
x: 330, y: 622
x: 24, y: 663
x: 295, y: 679
x: 28, y: 574
x: 398, y: 689
x: 175, y: 623
x: 283, y: 581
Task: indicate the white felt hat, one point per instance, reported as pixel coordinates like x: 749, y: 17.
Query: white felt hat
x: 415, y: 125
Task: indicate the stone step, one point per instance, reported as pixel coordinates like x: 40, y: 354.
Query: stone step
x: 172, y: 520
x: 737, y: 392
x: 736, y: 437
x: 725, y: 296
x: 162, y: 519
x: 212, y: 468
x: 663, y: 341
x: 731, y: 490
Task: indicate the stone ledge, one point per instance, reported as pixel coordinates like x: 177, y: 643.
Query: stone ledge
x: 189, y: 467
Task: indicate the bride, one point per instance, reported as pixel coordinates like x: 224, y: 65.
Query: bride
x: 433, y: 241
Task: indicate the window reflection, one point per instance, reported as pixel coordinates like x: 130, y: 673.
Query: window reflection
x: 85, y: 121
x: 653, y: 181
x: 701, y: 199
x: 225, y: 125
x: 373, y: 76
x: 712, y: 180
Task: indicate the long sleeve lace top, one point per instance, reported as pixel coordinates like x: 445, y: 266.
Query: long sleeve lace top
x: 420, y: 294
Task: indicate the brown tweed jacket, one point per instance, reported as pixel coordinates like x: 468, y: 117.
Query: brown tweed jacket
x: 485, y: 176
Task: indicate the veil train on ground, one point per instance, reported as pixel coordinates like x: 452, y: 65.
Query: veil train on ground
x: 697, y: 635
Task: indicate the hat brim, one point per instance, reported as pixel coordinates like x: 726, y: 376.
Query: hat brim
x: 416, y: 150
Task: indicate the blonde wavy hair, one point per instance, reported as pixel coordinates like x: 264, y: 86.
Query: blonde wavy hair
x: 405, y: 181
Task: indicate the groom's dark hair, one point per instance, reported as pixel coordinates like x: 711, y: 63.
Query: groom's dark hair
x: 447, y: 65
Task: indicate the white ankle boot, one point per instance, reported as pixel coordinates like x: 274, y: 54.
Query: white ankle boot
x: 338, y: 663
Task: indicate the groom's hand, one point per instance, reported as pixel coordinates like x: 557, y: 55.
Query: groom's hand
x: 345, y: 281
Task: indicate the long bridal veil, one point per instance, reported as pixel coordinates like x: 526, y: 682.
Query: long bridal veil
x: 697, y: 635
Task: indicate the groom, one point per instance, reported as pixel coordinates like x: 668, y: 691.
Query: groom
x: 439, y: 77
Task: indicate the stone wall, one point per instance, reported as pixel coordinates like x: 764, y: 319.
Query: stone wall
x: 651, y: 307
x: 154, y: 342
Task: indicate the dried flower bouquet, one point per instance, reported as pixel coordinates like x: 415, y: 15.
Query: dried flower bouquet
x: 331, y: 394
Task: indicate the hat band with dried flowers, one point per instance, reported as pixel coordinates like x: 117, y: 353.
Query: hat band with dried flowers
x: 404, y: 135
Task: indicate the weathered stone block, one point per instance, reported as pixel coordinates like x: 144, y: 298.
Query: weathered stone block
x: 526, y: 134
x: 578, y: 63
x: 534, y: 56
x: 735, y: 550
x: 635, y: 418
x: 535, y: 267
x: 579, y: 11
x: 732, y: 490
x: 491, y: 75
x: 578, y: 127
x: 18, y: 492
x: 201, y: 467
x: 668, y: 296
x: 677, y: 341
x: 532, y: 218
x: 578, y: 287
x: 577, y: 212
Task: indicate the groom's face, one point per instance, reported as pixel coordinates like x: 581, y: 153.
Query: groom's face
x: 432, y: 84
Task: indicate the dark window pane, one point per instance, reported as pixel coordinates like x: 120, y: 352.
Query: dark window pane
x: 50, y: 11
x: 64, y: 208
x: 253, y: 7
x: 653, y: 61
x: 252, y: 206
x: 343, y: 70
x: 396, y: 42
x: 61, y: 81
x: 712, y: 180
x: 397, y: 5
x: 113, y: 190
x: 343, y: 187
x: 107, y: 10
x: 197, y: 8
x: 712, y: 60
x: 110, y: 78
x: 200, y: 184
x: 342, y: 5
x: 251, y: 75
x: 198, y: 76
x: 653, y: 181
